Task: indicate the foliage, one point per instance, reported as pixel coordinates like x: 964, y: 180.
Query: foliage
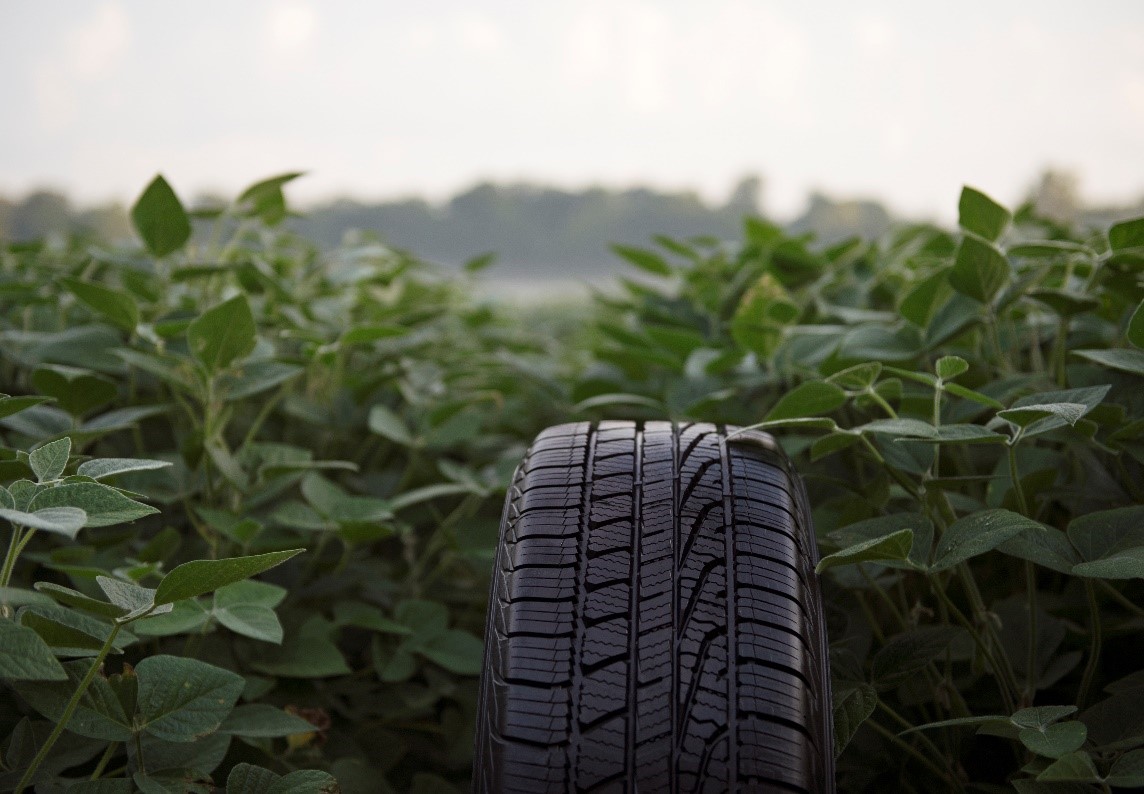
x: 253, y: 489
x: 967, y: 411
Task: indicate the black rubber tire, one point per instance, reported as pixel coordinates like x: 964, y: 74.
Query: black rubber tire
x: 654, y: 622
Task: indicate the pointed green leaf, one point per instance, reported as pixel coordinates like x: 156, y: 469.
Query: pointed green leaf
x: 960, y: 391
x: 1041, y: 716
x: 1135, y: 331
x: 883, y: 526
x: 66, y: 521
x: 160, y: 219
x: 1075, y: 766
x: 980, y: 270
x: 960, y: 722
x: 983, y: 216
x: 103, y: 504
x: 648, y: 261
x: 77, y: 391
x: 1126, y: 234
x: 1089, y: 396
x: 49, y: 461
x: 456, y: 650
x: 99, y: 714
x: 265, y: 200
x: 223, y: 334
x: 100, y: 468
x: 1111, y: 542
x: 80, y: 601
x: 808, y: 399
x: 388, y: 424
x: 202, y: 576
x: 116, y: 305
x: 978, y: 533
x: 1122, y: 359
x: 852, y: 706
x: 128, y: 596
x: 13, y: 405
x: 262, y: 720
x: 181, y: 700
x: 24, y: 656
x: 1026, y: 415
x: 1128, y: 771
x: 251, y: 620
x: 858, y: 377
x: 894, y: 547
x: 905, y: 654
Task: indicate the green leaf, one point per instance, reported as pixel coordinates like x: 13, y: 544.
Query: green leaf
x: 103, y: 504
x: 1064, y: 303
x: 334, y: 503
x: 255, y: 377
x: 160, y: 219
x: 1041, y: 716
x: 980, y: 270
x: 1043, y: 545
x: 363, y: 334
x: 13, y: 405
x: 66, y: 521
x: 24, y: 656
x: 99, y: 468
x: 1089, y: 396
x: 1111, y: 543
x: 808, y: 399
x: 251, y: 620
x: 457, y: 651
x: 808, y: 422
x: 181, y: 700
x: 905, y: 654
x: 49, y: 461
x: 1128, y: 771
x: 900, y: 428
x: 852, y: 706
x: 308, y: 652
x: 978, y: 533
x: 1135, y: 332
x: 265, y: 200
x: 261, y: 720
x: 648, y: 261
x: 960, y: 391
x: 68, y: 633
x: 185, y: 617
x: 247, y: 778
x: 222, y: 334
x: 388, y: 424
x: 949, y: 367
x: 99, y: 714
x: 77, y: 391
x: 983, y: 216
x: 116, y: 305
x: 1024, y: 416
x: 967, y: 434
x: 894, y: 547
x: 1054, y: 741
x: 78, y: 600
x: 960, y: 722
x: 614, y: 399
x: 202, y: 576
x: 131, y: 598
x: 1126, y: 234
x: 1122, y: 359
x: 1076, y: 766
x: 882, y: 526
x: 858, y: 377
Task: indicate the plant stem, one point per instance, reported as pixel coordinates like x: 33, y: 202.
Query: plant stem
x: 1031, y: 657
x: 912, y: 751
x: 907, y: 725
x: 1094, y: 647
x: 108, y: 754
x: 1120, y: 598
x: 10, y: 557
x: 984, y: 645
x: 1014, y: 475
x: 69, y: 710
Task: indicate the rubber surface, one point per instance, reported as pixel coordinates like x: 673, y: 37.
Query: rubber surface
x: 654, y: 624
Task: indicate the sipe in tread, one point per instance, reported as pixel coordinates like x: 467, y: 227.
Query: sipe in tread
x: 654, y: 622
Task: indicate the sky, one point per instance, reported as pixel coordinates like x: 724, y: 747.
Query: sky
x: 903, y: 101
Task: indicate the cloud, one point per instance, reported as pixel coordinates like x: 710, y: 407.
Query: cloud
x: 88, y: 53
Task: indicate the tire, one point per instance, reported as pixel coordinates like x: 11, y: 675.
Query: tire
x: 654, y: 621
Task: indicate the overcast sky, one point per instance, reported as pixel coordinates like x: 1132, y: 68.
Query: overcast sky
x: 903, y: 101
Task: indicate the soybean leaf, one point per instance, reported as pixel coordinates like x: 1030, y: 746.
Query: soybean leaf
x: 102, y: 504
x: 808, y: 399
x: 160, y: 219
x: 222, y: 334
x: 648, y: 261
x: 1135, y: 331
x: 202, y: 576
x: 968, y: 394
x: 456, y: 650
x: 251, y: 620
x: 49, y: 461
x: 1088, y: 396
x: 1041, y: 716
x: 182, y: 700
x: 1026, y: 415
x: 980, y: 270
x: 247, y: 778
x: 981, y: 215
x: 68, y: 633
x: 852, y: 706
x: 857, y: 377
x: 906, y: 653
x: 1126, y: 234
x: 1054, y: 741
x: 24, y: 656
x: 265, y: 200
x: 78, y: 600
x: 116, y: 305
x: 961, y: 722
x: 1064, y: 303
x: 262, y: 720
x: 388, y: 424
x: 978, y: 533
x: 1076, y: 767
x: 76, y: 391
x: 882, y: 526
x: 128, y: 596
x: 1111, y: 542
x: 894, y: 547
x: 609, y: 400
x: 99, y: 714
x: 1122, y: 359
x: 66, y: 521
x: 335, y: 504
x: 1043, y: 545
x: 1127, y: 771
x: 904, y: 428
x: 949, y: 367
x: 308, y: 652
x: 185, y: 617
x: 99, y: 468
